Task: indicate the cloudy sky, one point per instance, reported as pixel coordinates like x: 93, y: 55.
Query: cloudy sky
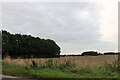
x: 74, y: 26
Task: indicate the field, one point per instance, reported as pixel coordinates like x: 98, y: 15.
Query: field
x: 104, y: 66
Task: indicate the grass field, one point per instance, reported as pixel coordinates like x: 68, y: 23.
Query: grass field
x: 104, y: 66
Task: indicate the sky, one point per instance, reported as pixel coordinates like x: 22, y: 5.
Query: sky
x: 75, y: 26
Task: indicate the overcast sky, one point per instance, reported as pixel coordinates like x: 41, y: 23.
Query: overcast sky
x: 74, y: 26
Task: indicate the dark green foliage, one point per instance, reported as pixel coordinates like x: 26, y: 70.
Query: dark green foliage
x: 90, y: 53
x: 49, y: 63
x: 34, y: 64
x: 26, y: 46
x: 111, y: 53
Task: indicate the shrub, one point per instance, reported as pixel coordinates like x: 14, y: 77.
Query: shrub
x: 34, y: 64
x: 90, y: 53
x: 49, y: 63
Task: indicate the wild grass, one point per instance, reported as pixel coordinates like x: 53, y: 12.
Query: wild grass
x: 49, y: 68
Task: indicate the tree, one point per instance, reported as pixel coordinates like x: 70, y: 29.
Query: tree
x: 26, y: 46
x: 110, y: 53
x: 90, y: 53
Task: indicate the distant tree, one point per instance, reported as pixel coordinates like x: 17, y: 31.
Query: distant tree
x: 90, y: 53
x: 26, y: 46
x: 118, y: 53
x: 110, y: 53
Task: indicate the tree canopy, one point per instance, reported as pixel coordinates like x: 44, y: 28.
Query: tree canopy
x: 26, y: 46
x: 90, y: 53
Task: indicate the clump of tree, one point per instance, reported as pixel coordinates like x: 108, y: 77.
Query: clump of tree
x: 111, y: 53
x: 90, y: 53
x: 27, y: 46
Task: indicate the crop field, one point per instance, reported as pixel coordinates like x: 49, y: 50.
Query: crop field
x: 78, y: 60
x: 64, y: 67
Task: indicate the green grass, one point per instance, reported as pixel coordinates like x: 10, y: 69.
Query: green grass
x: 66, y: 70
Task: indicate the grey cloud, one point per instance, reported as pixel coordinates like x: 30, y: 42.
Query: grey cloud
x: 0, y: 16
x: 79, y: 48
x: 57, y: 21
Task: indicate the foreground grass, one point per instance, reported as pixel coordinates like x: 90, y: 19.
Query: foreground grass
x: 59, y: 72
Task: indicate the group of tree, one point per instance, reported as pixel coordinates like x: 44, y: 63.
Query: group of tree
x: 27, y: 46
x: 111, y: 53
x: 92, y: 53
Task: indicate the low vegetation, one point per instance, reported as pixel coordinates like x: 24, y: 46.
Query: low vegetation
x: 52, y: 69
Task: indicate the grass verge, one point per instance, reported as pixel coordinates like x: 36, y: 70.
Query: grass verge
x: 60, y: 71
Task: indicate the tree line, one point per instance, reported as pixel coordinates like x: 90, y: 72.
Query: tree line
x: 93, y: 53
x: 27, y: 46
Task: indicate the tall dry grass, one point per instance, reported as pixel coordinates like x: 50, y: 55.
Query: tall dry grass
x: 84, y: 66
x: 7, y: 60
x: 78, y: 60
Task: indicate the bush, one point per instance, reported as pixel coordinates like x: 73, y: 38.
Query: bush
x: 90, y: 53
x: 49, y: 63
